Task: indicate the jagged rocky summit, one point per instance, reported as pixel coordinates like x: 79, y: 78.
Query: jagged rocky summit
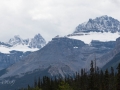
x: 18, y: 44
x: 102, y: 28
x: 17, y: 48
x: 99, y: 24
x: 37, y: 42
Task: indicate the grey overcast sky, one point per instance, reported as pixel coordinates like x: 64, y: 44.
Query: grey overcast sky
x: 50, y: 17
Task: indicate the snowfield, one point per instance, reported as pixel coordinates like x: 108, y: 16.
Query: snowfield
x: 23, y: 48
x: 88, y: 37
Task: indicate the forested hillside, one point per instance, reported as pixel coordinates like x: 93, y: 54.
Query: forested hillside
x: 94, y: 80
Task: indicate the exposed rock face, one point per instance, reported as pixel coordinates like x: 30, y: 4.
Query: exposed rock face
x: 102, y: 29
x: 118, y: 42
x: 113, y: 57
x: 110, y: 55
x: 99, y: 24
x: 15, y: 40
x: 7, y: 60
x: 37, y: 42
x: 5, y: 44
x: 110, y: 44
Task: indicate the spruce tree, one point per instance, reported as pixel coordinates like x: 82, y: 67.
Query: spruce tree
x: 118, y: 77
x: 112, y: 81
x: 106, y: 80
x: 91, y: 77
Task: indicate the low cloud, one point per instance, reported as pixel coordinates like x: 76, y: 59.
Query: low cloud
x: 50, y: 17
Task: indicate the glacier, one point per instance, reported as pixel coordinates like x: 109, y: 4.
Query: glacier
x: 88, y: 37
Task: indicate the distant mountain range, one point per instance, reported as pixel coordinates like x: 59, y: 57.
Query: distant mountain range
x: 94, y: 40
x: 60, y: 57
x: 17, y: 48
x: 19, y: 44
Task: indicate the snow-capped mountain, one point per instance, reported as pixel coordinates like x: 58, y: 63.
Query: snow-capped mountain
x: 37, y: 42
x: 102, y: 28
x: 99, y: 24
x: 17, y: 48
x: 61, y: 56
x: 16, y: 40
x: 58, y: 54
x: 18, y: 44
x: 65, y: 55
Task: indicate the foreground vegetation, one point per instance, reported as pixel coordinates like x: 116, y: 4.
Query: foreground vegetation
x: 94, y: 80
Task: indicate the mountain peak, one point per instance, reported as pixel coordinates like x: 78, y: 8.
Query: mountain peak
x: 103, y: 28
x: 37, y: 42
x: 17, y: 36
x: 15, y: 40
x: 104, y: 16
x: 37, y: 36
x: 99, y: 24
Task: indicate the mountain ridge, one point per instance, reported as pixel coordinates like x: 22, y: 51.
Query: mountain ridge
x: 66, y: 55
x: 19, y: 44
x: 17, y: 48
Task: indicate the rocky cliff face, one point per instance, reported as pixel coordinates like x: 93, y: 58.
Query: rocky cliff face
x: 7, y: 60
x: 113, y: 57
x: 98, y: 44
x: 118, y: 42
x: 106, y: 58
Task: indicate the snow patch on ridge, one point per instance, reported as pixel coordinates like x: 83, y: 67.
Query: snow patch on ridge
x: 18, y: 44
x: 88, y: 37
x: 23, y: 48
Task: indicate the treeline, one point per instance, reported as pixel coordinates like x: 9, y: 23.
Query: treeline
x: 95, y: 79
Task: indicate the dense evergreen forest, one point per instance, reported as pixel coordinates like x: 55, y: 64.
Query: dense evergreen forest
x: 95, y: 79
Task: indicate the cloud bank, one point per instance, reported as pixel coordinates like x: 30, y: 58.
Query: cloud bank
x: 50, y: 17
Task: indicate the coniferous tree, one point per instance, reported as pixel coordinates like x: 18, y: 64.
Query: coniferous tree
x: 39, y: 83
x: 118, y: 77
x: 112, y: 79
x: 35, y: 82
x: 106, y: 80
x: 101, y: 76
x: 84, y: 81
x: 91, y: 77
